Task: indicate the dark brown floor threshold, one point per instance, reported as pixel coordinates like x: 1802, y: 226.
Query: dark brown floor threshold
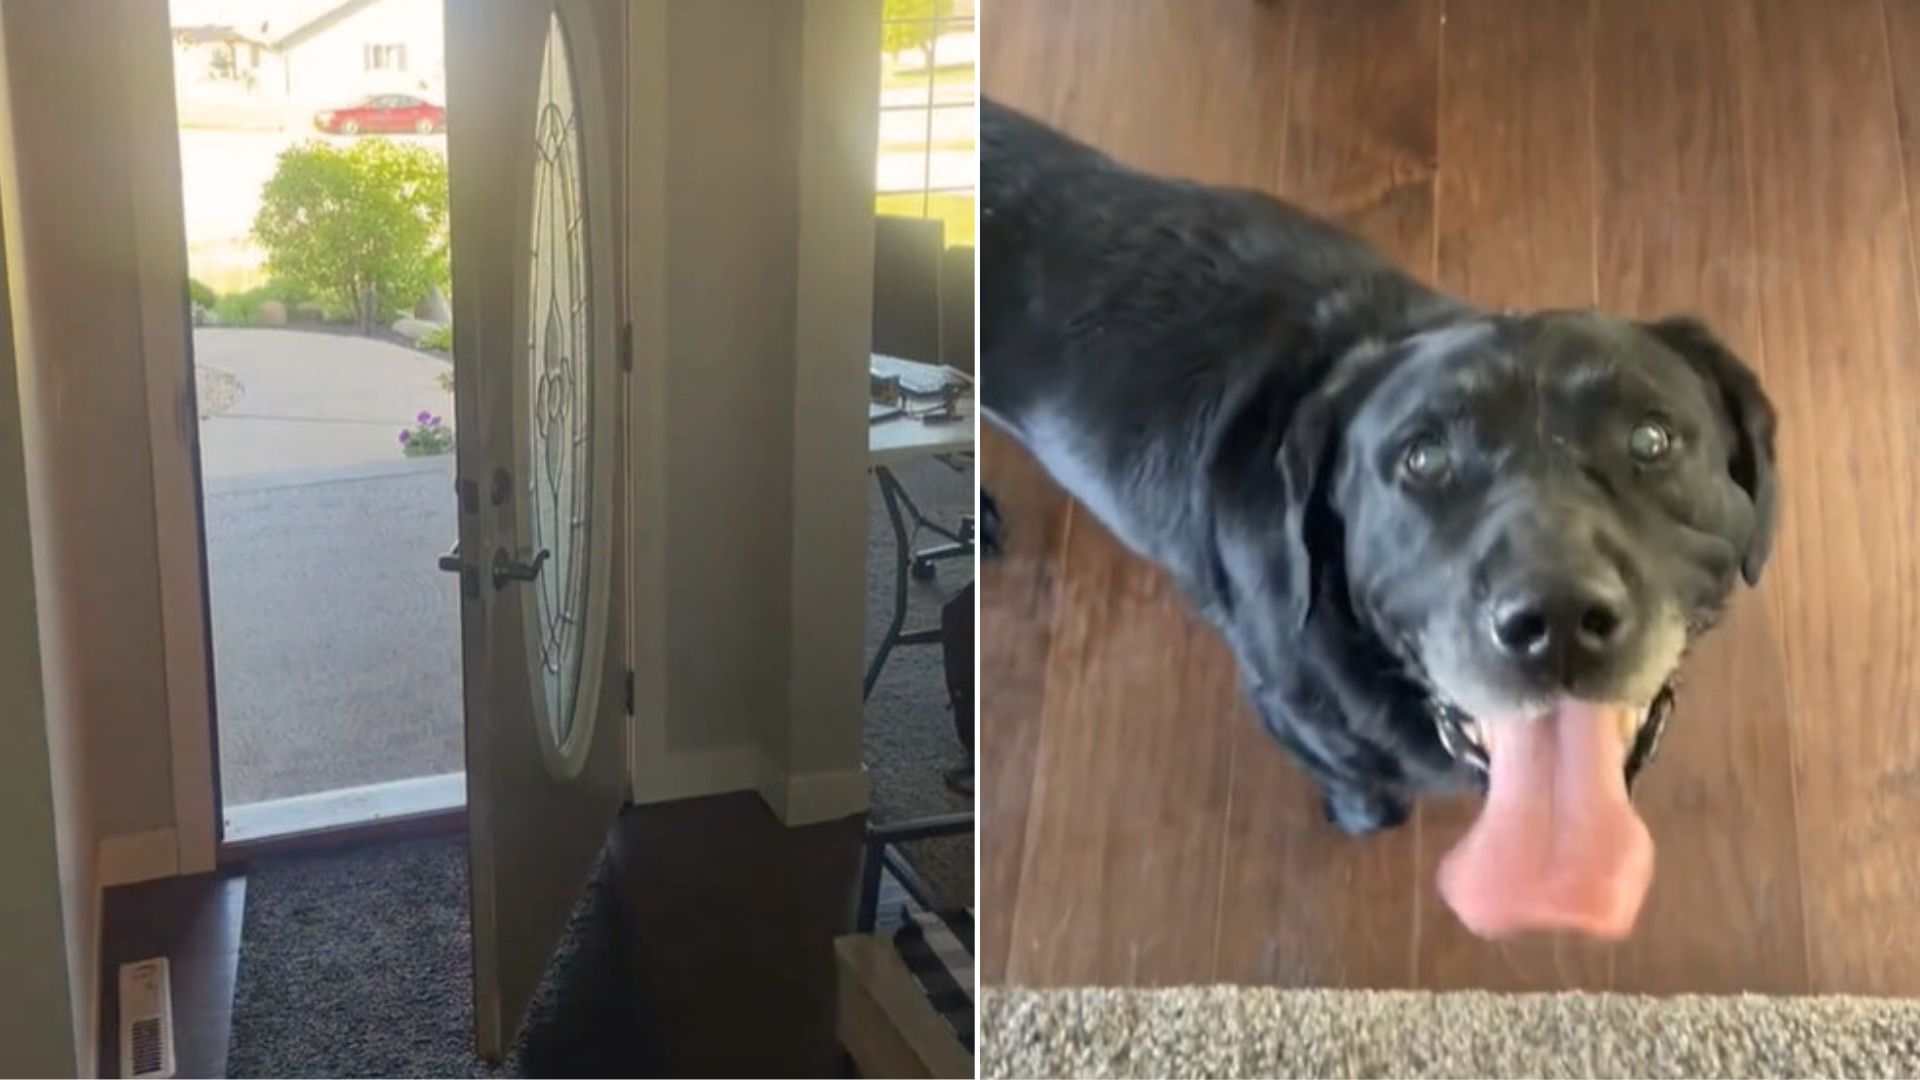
x: 195, y: 923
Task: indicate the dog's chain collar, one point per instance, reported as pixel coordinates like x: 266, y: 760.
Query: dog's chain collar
x: 1450, y: 723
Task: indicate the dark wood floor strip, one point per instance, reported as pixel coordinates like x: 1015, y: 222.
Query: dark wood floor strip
x: 1675, y: 236
x: 195, y: 923
x: 1016, y: 637
x: 1836, y: 283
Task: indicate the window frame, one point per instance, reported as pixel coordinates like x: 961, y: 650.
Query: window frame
x: 372, y: 55
x: 930, y: 105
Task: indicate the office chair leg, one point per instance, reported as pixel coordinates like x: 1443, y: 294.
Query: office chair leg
x: 961, y: 548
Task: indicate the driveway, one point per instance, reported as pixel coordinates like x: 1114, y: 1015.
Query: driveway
x: 336, y: 639
x: 311, y: 401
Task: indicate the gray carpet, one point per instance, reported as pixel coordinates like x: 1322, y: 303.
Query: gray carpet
x: 1231, y: 1032
x: 356, y: 963
x: 910, y: 739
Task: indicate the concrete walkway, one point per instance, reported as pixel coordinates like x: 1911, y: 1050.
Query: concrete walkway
x: 312, y: 400
x: 336, y: 638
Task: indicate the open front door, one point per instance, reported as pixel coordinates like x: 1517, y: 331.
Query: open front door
x: 535, y: 128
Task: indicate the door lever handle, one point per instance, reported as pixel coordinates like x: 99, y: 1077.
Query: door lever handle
x: 450, y: 562
x: 506, y: 568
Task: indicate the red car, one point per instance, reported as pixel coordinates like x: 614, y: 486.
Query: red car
x: 384, y: 112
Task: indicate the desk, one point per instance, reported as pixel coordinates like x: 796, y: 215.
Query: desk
x: 903, y: 439
x: 896, y: 441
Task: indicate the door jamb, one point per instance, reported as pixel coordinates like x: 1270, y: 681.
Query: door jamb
x: 159, y: 219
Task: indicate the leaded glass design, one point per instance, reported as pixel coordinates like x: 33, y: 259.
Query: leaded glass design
x: 560, y: 377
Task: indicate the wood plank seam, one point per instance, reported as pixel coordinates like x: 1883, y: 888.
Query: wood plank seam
x: 1418, y: 931
x: 1277, y: 183
x: 1774, y: 599
x: 1068, y: 513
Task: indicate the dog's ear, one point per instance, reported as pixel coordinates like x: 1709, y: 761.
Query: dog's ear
x: 1266, y: 461
x: 1274, y: 526
x: 1306, y: 458
x: 1303, y: 461
x: 1753, y: 421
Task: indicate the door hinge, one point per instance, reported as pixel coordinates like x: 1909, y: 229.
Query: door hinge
x: 626, y: 346
x: 189, y: 411
x: 629, y: 691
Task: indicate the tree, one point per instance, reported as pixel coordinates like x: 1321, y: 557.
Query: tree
x: 364, y: 228
x: 909, y: 24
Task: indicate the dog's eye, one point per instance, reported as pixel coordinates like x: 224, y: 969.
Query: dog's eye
x: 1649, y: 442
x: 1426, y: 460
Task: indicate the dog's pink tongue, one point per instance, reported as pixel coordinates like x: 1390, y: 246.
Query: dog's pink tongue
x: 1558, y: 845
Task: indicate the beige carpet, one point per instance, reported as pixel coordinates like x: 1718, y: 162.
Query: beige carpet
x: 1258, y: 1032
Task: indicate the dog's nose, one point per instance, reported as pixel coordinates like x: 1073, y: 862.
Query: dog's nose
x: 1565, y: 623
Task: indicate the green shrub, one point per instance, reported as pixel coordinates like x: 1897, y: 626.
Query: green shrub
x: 201, y: 293
x: 239, y: 309
x: 438, y: 339
x: 363, y: 229
x: 243, y: 308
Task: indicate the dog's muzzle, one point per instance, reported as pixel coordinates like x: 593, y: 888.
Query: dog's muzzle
x: 1454, y: 728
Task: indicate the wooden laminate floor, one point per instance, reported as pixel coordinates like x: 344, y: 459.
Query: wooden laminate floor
x: 1753, y: 161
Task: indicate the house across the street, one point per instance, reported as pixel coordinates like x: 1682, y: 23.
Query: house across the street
x: 240, y: 63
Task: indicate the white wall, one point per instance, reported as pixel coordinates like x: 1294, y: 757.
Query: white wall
x: 74, y: 138
x: 730, y: 249
x: 45, y: 904
x: 77, y: 126
x: 49, y: 903
x: 838, y: 132
x: 754, y: 127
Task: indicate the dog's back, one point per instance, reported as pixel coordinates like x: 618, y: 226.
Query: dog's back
x: 1126, y: 318
x: 1090, y: 268
x: 1033, y: 182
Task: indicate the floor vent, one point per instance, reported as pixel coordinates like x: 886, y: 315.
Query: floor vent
x: 146, y: 1019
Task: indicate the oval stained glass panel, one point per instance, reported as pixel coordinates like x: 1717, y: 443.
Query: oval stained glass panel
x: 560, y: 377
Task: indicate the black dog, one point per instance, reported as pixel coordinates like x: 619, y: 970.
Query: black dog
x: 1419, y: 524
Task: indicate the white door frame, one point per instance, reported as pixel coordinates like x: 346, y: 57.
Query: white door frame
x: 173, y: 425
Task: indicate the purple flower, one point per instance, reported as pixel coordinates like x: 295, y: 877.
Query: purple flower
x: 406, y: 437
x: 424, y: 416
x: 435, y: 422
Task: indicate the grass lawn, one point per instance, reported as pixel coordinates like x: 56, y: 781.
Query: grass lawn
x: 943, y: 78
x: 229, y: 266
x: 954, y: 208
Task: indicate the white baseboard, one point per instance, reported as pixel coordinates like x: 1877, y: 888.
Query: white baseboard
x: 133, y: 857
x: 809, y: 798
